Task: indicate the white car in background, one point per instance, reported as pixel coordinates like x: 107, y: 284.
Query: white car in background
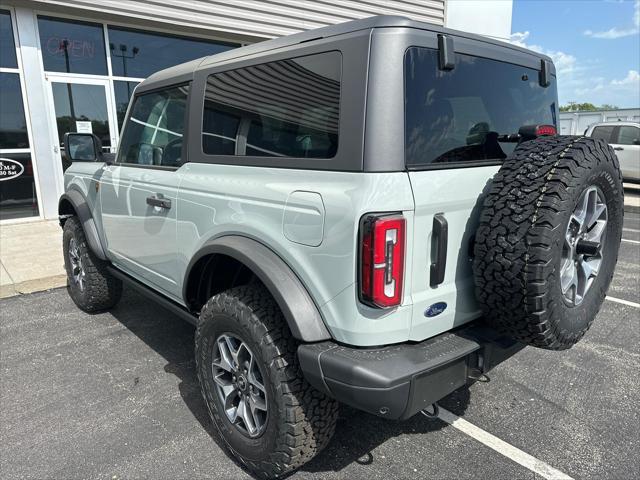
x: 624, y: 137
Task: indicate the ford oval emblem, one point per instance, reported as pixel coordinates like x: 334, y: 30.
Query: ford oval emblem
x: 435, y: 309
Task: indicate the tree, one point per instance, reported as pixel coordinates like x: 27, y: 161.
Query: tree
x: 578, y: 107
x: 585, y: 107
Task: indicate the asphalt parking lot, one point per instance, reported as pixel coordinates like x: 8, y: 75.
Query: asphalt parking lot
x: 115, y: 395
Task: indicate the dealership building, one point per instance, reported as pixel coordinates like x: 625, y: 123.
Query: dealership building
x: 69, y: 66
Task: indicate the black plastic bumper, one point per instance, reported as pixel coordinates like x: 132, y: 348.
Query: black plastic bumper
x: 400, y: 380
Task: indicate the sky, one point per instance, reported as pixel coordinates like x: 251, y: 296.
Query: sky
x: 595, y: 46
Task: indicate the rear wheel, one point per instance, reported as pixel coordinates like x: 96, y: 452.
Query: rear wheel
x: 548, y: 239
x: 90, y: 285
x: 270, y: 418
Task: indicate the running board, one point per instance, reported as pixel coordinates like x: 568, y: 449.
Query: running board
x: 151, y: 294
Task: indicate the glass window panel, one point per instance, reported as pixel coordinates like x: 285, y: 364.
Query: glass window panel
x: 289, y: 108
x: 123, y: 92
x: 17, y: 186
x: 139, y: 54
x: 72, y: 46
x: 604, y: 133
x: 76, y: 102
x: 451, y: 119
x: 7, y: 44
x: 154, y: 129
x: 628, y: 135
x: 219, y: 132
x: 13, y: 125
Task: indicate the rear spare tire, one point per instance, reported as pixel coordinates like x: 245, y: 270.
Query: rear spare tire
x: 548, y: 239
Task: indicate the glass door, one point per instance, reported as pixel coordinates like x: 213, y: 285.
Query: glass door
x: 82, y: 105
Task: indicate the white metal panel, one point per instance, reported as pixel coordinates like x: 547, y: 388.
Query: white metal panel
x: 258, y: 18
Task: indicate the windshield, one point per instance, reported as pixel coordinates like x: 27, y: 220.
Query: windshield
x: 472, y: 112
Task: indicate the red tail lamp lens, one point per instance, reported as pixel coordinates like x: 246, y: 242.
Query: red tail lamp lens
x: 382, y: 243
x: 546, y: 130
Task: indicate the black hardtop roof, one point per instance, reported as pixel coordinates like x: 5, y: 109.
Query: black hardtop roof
x: 183, y: 71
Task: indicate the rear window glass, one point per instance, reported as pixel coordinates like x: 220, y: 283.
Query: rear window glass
x: 603, y: 133
x: 288, y: 108
x: 466, y: 114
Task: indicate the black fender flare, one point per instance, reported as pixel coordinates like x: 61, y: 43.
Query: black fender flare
x: 300, y: 311
x: 83, y: 212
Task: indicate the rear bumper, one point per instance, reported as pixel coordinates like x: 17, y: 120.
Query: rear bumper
x: 398, y: 381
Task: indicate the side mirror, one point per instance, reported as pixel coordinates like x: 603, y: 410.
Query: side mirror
x: 82, y: 147
x: 636, y: 141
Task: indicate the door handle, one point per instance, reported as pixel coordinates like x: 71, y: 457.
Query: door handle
x: 440, y: 238
x: 618, y: 148
x: 159, y: 201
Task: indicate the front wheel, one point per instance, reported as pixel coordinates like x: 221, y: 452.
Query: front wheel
x: 270, y: 418
x: 90, y: 285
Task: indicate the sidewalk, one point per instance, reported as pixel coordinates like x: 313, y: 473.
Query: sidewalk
x: 31, y: 257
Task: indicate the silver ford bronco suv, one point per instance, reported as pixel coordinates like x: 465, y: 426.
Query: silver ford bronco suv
x: 374, y: 213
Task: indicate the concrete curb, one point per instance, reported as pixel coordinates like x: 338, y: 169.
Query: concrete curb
x: 32, y: 286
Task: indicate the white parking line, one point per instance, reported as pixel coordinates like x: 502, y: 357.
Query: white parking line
x: 631, y: 230
x: 502, y: 447
x: 623, y: 302
x: 631, y: 241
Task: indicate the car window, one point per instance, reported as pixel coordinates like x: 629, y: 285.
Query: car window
x: 451, y: 119
x: 153, y: 132
x: 628, y: 135
x: 604, y: 132
x: 287, y: 108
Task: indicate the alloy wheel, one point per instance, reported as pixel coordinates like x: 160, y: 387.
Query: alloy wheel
x: 77, y: 269
x: 583, y: 246
x: 240, y: 385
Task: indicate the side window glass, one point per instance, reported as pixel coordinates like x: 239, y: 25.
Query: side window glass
x: 288, y: 108
x: 154, y: 130
x: 603, y: 132
x: 628, y: 135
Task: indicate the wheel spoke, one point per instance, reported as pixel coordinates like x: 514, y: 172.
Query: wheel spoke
x: 230, y: 394
x: 223, y: 362
x: 590, y: 268
x: 569, y: 279
x: 254, y: 373
x: 244, y: 412
x: 232, y: 350
x: 222, y: 380
x: 243, y: 354
x: 257, y: 402
x: 599, y: 213
x: 227, y: 353
x: 580, y: 215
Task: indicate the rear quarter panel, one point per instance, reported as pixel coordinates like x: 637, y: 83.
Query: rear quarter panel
x: 218, y: 200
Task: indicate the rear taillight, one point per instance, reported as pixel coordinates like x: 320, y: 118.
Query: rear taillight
x: 530, y: 132
x: 382, y: 240
x: 545, y: 130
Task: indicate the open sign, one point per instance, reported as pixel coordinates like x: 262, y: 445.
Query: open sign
x: 74, y: 47
x: 10, y: 169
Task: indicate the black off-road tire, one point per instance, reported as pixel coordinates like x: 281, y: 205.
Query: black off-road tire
x: 301, y: 420
x: 519, y: 242
x: 101, y: 290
